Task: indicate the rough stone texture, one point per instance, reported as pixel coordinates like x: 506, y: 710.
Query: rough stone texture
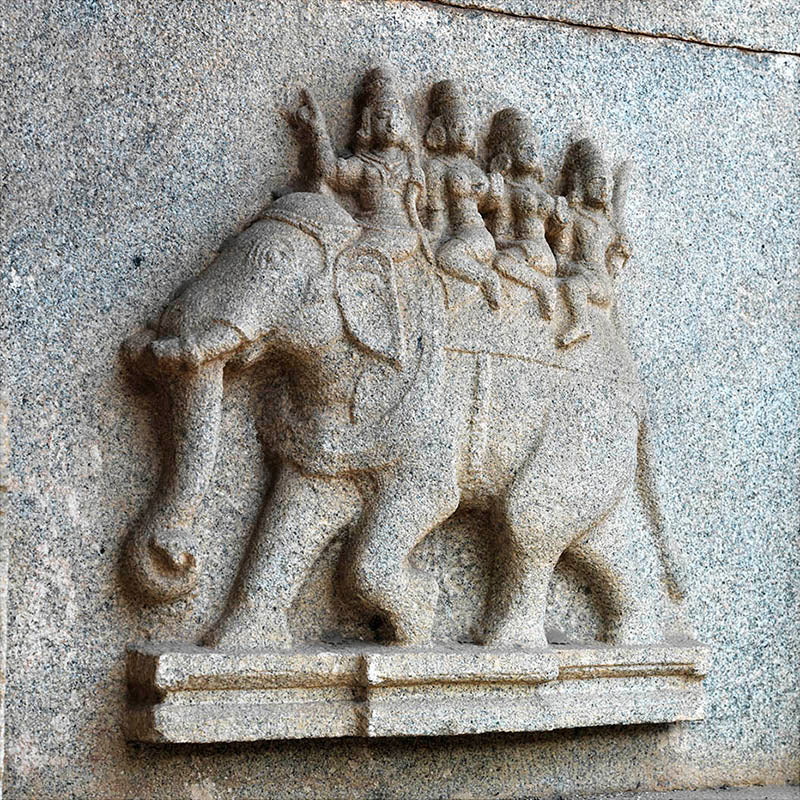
x: 138, y: 138
x: 723, y: 793
x: 4, y: 455
x: 762, y: 25
x: 449, y: 347
x: 192, y: 694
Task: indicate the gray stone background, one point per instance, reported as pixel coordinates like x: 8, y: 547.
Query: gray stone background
x: 137, y: 136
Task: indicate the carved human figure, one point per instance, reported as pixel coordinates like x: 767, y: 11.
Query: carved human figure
x: 592, y: 243
x: 520, y: 208
x: 457, y: 190
x: 383, y: 174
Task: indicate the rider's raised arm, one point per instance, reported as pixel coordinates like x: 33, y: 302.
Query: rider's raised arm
x: 620, y: 248
x: 327, y: 167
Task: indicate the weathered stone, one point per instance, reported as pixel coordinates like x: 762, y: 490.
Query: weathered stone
x: 723, y: 793
x: 197, y: 695
x: 363, y: 318
x: 761, y: 25
x: 137, y: 140
x: 4, y: 554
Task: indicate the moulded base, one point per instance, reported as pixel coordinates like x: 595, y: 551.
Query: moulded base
x: 180, y: 693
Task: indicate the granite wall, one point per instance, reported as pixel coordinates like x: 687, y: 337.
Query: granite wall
x: 138, y: 136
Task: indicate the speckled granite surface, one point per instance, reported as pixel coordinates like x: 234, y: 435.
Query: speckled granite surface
x: 724, y: 793
x: 761, y: 25
x: 138, y: 137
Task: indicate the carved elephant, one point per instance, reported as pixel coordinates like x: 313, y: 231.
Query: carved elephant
x: 380, y: 427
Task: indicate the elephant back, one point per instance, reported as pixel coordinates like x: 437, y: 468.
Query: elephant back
x: 518, y: 331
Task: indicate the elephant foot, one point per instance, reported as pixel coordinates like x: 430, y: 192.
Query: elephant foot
x: 630, y: 633
x: 250, y: 628
x: 411, y: 620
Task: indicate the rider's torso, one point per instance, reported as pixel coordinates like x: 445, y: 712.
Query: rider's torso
x: 382, y: 197
x: 594, y: 234
x: 465, y: 187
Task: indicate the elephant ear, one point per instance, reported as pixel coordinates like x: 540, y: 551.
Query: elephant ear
x: 366, y: 290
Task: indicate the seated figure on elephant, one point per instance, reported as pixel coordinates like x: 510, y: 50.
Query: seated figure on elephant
x: 520, y: 208
x: 377, y: 275
x: 457, y: 191
x: 383, y: 174
x: 592, y: 243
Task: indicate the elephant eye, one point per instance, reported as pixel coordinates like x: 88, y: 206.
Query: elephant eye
x: 268, y: 256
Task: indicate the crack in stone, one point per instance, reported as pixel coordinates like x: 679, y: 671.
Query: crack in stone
x: 490, y: 9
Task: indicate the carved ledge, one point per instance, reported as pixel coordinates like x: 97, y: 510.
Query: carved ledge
x: 181, y: 693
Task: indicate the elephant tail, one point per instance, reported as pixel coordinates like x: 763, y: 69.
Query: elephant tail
x: 159, y: 566
x: 671, y: 561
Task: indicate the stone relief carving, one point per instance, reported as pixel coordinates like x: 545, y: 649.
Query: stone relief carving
x: 449, y: 344
x: 457, y: 190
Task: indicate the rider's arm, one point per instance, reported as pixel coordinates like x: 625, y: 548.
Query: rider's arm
x: 437, y: 219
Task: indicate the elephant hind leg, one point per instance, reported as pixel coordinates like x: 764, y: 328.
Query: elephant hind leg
x: 614, y: 597
x: 569, y: 482
x: 625, y: 585
x: 528, y: 550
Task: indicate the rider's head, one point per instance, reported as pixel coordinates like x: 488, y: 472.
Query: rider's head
x: 588, y: 179
x: 452, y: 128
x: 513, y: 144
x: 384, y: 121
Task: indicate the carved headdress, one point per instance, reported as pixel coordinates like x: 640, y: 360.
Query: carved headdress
x: 584, y: 161
x: 378, y: 84
x: 448, y: 107
x: 512, y: 131
x: 378, y: 87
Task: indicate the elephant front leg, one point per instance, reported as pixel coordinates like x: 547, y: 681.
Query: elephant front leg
x: 375, y: 566
x: 301, y: 516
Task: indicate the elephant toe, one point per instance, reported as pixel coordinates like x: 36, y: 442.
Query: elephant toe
x: 503, y: 638
x: 245, y: 629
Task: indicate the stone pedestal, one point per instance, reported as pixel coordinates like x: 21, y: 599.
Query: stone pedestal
x: 192, y: 694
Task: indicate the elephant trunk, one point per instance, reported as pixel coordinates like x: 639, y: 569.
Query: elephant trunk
x: 160, y: 556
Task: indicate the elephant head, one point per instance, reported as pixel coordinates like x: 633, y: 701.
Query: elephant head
x: 293, y: 288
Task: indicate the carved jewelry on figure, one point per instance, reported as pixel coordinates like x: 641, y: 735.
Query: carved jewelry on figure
x: 389, y: 419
